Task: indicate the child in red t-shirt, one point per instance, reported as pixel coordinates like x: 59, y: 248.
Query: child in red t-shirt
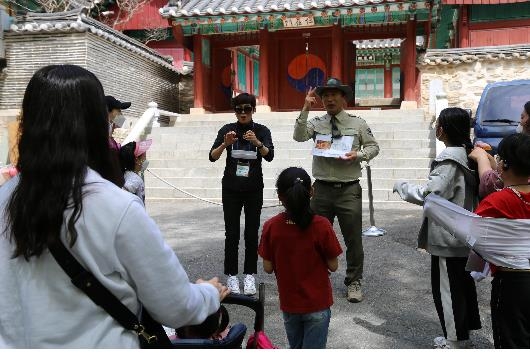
x: 510, y: 288
x: 301, y: 248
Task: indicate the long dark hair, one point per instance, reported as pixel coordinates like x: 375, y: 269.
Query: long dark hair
x: 456, y: 124
x: 294, y: 189
x: 64, y: 129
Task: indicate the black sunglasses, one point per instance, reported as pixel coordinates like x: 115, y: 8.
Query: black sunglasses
x: 247, y: 109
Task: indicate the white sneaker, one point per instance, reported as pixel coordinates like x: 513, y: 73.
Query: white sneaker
x: 442, y: 342
x: 249, y: 285
x: 233, y: 284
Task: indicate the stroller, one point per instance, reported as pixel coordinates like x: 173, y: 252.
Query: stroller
x: 236, y: 334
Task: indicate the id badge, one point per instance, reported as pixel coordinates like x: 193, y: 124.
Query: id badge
x: 242, y: 169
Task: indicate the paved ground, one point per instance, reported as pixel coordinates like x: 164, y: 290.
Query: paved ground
x: 398, y: 311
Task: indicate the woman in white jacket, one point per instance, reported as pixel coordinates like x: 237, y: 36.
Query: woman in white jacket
x: 62, y: 194
x: 452, y: 178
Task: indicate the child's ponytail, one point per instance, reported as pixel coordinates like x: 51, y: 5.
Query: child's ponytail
x: 294, y: 189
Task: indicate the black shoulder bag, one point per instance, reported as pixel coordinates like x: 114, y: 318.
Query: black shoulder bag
x: 150, y: 332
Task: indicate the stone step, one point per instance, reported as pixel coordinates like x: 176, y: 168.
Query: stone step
x: 272, y: 172
x: 209, y: 134
x: 269, y: 194
x: 179, y: 153
x: 372, y: 117
x: 304, y: 152
x: 405, y: 144
x: 282, y: 125
x: 408, y: 162
x: 269, y: 181
x: 203, y: 138
x: 394, y: 115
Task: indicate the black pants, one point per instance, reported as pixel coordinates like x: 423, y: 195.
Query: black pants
x: 455, y: 297
x: 510, y: 309
x: 251, y: 202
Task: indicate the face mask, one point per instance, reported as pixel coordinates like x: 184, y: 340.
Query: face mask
x: 242, y: 154
x: 119, y: 120
x: 144, y: 165
x: 519, y: 129
x: 110, y: 129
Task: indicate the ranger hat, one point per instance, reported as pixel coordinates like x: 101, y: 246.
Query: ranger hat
x: 334, y: 83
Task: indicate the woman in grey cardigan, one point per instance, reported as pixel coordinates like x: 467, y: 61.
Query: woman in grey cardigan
x: 452, y: 178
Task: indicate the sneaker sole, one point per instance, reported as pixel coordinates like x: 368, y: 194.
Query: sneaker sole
x: 249, y: 293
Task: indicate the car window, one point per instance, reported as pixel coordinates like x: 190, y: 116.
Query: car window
x: 505, y: 102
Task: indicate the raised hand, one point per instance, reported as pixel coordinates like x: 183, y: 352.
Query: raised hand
x: 230, y: 138
x: 310, y: 99
x: 251, y: 137
x: 223, y: 290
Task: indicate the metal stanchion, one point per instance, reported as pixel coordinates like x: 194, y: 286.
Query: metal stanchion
x: 372, y: 231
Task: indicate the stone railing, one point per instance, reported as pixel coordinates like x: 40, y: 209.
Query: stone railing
x: 152, y: 117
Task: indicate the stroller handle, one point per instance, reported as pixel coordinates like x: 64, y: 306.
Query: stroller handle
x: 250, y: 302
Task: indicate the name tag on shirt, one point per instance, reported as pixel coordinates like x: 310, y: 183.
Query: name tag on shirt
x: 242, y: 169
x: 328, y: 146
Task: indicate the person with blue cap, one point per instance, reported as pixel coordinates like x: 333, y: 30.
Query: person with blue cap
x: 342, y: 142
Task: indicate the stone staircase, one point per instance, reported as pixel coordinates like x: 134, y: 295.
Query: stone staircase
x: 179, y: 153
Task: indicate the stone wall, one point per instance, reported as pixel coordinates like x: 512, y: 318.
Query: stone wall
x: 125, y: 75
x: 186, y: 94
x: 463, y: 73
x: 128, y: 70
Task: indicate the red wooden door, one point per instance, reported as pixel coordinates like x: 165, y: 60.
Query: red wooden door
x: 221, y: 88
x: 299, y: 69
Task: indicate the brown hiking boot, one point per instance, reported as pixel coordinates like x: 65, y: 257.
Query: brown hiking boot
x: 355, y: 294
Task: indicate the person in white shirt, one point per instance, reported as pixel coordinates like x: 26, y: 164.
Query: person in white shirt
x: 62, y: 194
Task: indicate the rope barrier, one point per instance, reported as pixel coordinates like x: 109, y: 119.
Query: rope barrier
x: 191, y: 195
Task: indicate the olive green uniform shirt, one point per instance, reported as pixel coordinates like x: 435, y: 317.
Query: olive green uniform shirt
x: 334, y: 169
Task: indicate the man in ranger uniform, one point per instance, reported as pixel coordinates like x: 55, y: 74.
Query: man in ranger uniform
x: 337, y: 168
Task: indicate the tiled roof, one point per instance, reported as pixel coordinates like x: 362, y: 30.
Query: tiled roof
x: 223, y: 7
x: 232, y: 16
x: 377, y: 43
x: 467, y: 55
x: 389, y: 43
x: 385, y: 43
x: 77, y: 21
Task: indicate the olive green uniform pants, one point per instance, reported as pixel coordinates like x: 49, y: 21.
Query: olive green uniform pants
x: 345, y: 203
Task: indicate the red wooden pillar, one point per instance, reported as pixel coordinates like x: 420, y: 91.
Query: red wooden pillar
x: 388, y: 80
x: 198, y: 72
x: 178, y: 34
x: 410, y: 62
x: 264, y: 62
x: 463, y: 27
x: 337, y: 52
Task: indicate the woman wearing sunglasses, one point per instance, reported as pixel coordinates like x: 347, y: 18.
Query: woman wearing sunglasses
x: 247, y: 143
